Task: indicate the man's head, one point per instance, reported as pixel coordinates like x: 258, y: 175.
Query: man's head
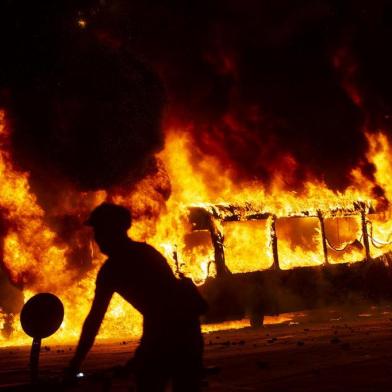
x: 110, y: 223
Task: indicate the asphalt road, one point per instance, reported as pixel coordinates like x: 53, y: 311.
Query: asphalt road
x: 328, y: 350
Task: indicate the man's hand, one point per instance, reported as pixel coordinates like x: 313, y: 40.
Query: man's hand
x: 89, y: 331
x: 70, y: 373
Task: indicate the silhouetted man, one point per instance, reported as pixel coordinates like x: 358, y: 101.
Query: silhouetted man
x: 171, y: 346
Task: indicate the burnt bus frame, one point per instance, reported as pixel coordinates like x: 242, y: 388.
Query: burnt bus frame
x: 210, y: 217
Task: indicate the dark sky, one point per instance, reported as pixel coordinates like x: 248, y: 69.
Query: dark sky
x: 262, y: 81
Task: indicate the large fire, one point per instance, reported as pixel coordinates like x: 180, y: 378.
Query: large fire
x: 31, y: 248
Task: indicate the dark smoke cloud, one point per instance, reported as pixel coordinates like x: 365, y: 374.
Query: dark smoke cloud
x: 370, y: 42
x: 258, y: 79
x: 79, y: 107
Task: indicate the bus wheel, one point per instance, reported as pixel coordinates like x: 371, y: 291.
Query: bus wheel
x: 256, y: 320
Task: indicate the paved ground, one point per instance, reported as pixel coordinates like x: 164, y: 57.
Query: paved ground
x: 322, y: 351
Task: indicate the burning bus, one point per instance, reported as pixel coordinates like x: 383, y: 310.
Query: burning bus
x: 347, y: 271
x: 276, y: 252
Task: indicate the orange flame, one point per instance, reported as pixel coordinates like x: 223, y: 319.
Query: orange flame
x: 31, y: 249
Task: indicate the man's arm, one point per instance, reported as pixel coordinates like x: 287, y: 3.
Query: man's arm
x: 91, y: 326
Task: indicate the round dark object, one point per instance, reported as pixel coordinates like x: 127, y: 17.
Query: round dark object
x: 42, y: 315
